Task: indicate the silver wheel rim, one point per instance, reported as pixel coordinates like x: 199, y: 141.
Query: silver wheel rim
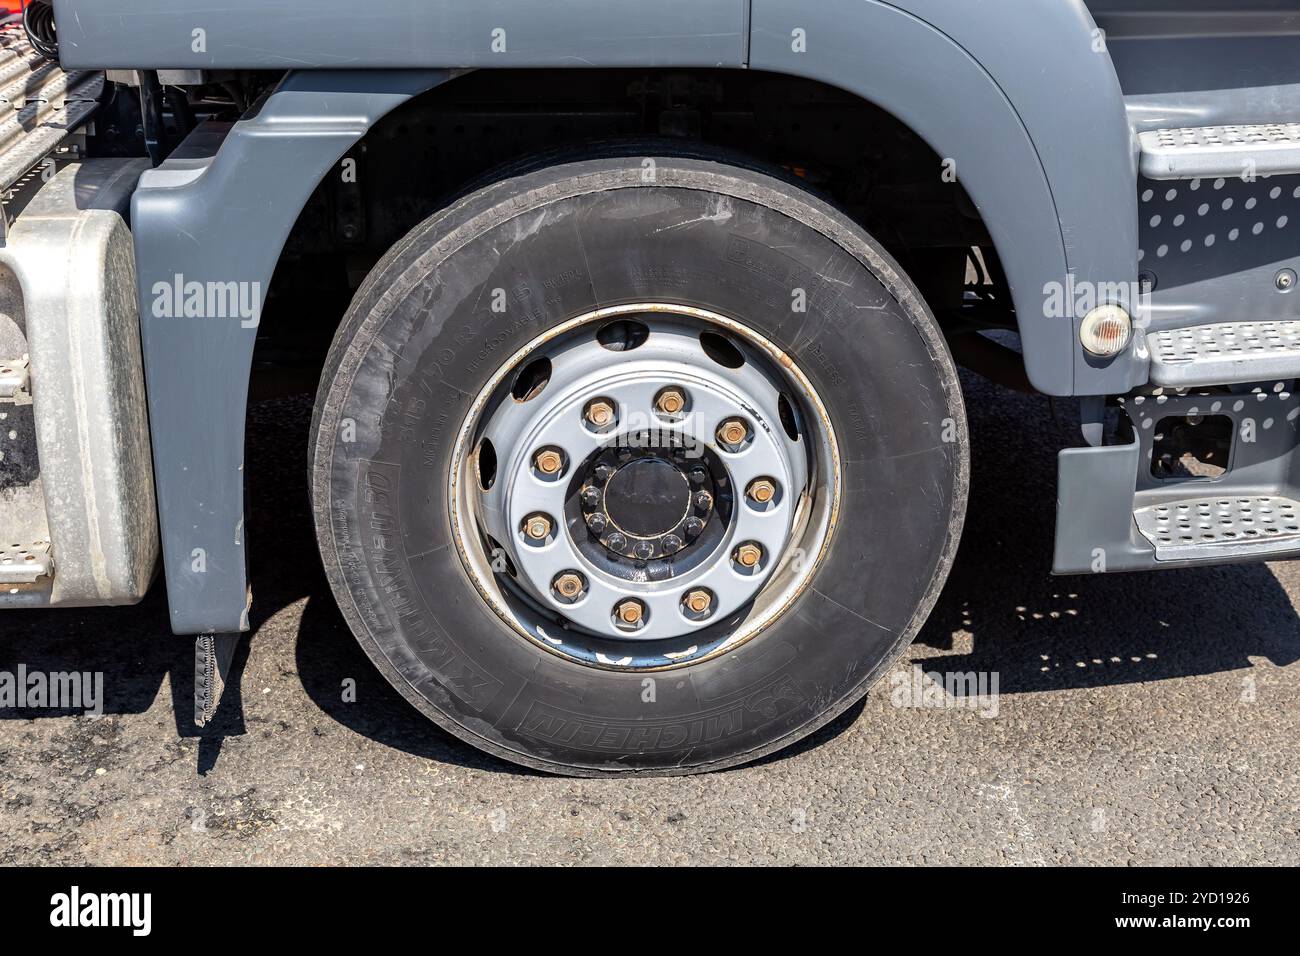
x: 564, y: 512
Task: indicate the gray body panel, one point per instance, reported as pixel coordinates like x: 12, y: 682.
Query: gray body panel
x: 396, y: 34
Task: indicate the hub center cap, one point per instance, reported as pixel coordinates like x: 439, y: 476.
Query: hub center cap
x: 648, y: 497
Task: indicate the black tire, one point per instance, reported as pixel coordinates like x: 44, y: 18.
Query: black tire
x: 418, y: 343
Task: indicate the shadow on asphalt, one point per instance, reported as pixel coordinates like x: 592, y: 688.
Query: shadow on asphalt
x: 1039, y: 633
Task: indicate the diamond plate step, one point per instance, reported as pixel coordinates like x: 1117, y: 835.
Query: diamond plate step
x: 1221, y: 527
x: 25, y: 563
x: 1264, y: 149
x: 1225, y: 353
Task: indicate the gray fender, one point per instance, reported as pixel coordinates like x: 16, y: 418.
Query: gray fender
x: 1023, y: 98
x: 215, y: 213
x: 1013, y: 91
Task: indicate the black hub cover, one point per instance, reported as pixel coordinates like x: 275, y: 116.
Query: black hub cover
x: 648, y: 497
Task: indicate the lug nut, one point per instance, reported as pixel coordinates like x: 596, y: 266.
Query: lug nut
x: 694, y: 526
x: 672, y: 544
x: 748, y: 555
x: 596, y: 522
x: 698, y: 474
x: 733, y: 431
x: 698, y: 602
x: 616, y: 541
x: 630, y: 612
x: 537, y: 527
x: 549, y: 461
x: 703, y: 500
x: 602, y: 472
x: 590, y: 496
x: 762, y: 490
x: 671, y: 401
x: 600, y: 413
x: 643, y: 550
x: 568, y: 585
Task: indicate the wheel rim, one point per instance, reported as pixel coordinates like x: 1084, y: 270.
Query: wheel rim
x: 644, y: 487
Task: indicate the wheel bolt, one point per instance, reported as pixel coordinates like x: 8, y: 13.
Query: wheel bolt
x: 568, y: 585
x: 537, y: 527
x: 672, y: 544
x: 549, y: 461
x: 733, y: 431
x: 762, y: 490
x: 600, y: 413
x: 643, y: 550
x: 616, y: 541
x: 698, y: 602
x: 596, y: 523
x: 748, y: 555
x: 703, y: 500
x: 671, y: 401
x: 590, y: 496
x: 602, y: 472
x: 694, y: 526
x: 630, y: 612
x: 698, y: 474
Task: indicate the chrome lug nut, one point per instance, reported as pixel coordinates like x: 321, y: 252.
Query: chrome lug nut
x: 597, y: 522
x: 670, y: 401
x: 600, y: 413
x: 602, y: 472
x: 568, y: 585
x: 537, y: 527
x: 698, y: 474
x: 643, y: 550
x: 694, y: 526
x: 630, y: 612
x: 703, y: 500
x: 698, y: 601
x: 761, y: 490
x: 672, y: 544
x: 549, y: 461
x: 733, y: 432
x: 590, y: 496
x: 616, y: 541
x: 748, y: 555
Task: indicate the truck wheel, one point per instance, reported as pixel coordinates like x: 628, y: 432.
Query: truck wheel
x: 637, y: 464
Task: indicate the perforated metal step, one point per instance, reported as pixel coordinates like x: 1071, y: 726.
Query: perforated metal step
x: 1225, y: 353
x: 1222, y: 527
x: 1264, y: 149
x: 25, y: 563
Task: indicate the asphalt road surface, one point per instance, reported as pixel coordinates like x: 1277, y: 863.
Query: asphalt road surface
x: 1141, y: 719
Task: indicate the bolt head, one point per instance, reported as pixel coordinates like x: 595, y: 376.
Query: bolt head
x: 537, y: 527
x: 698, y: 474
x: 568, y: 585
x: 697, y: 602
x: 672, y: 544
x: 643, y: 550
x: 733, y: 431
x: 602, y: 472
x: 596, y: 522
x: 590, y: 496
x: 671, y: 401
x: 616, y: 541
x: 762, y: 490
x: 630, y: 612
x: 549, y: 461
x: 748, y: 555
x: 703, y: 500
x: 694, y: 526
x: 600, y: 413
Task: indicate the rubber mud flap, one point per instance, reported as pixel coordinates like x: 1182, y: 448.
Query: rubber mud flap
x: 422, y: 339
